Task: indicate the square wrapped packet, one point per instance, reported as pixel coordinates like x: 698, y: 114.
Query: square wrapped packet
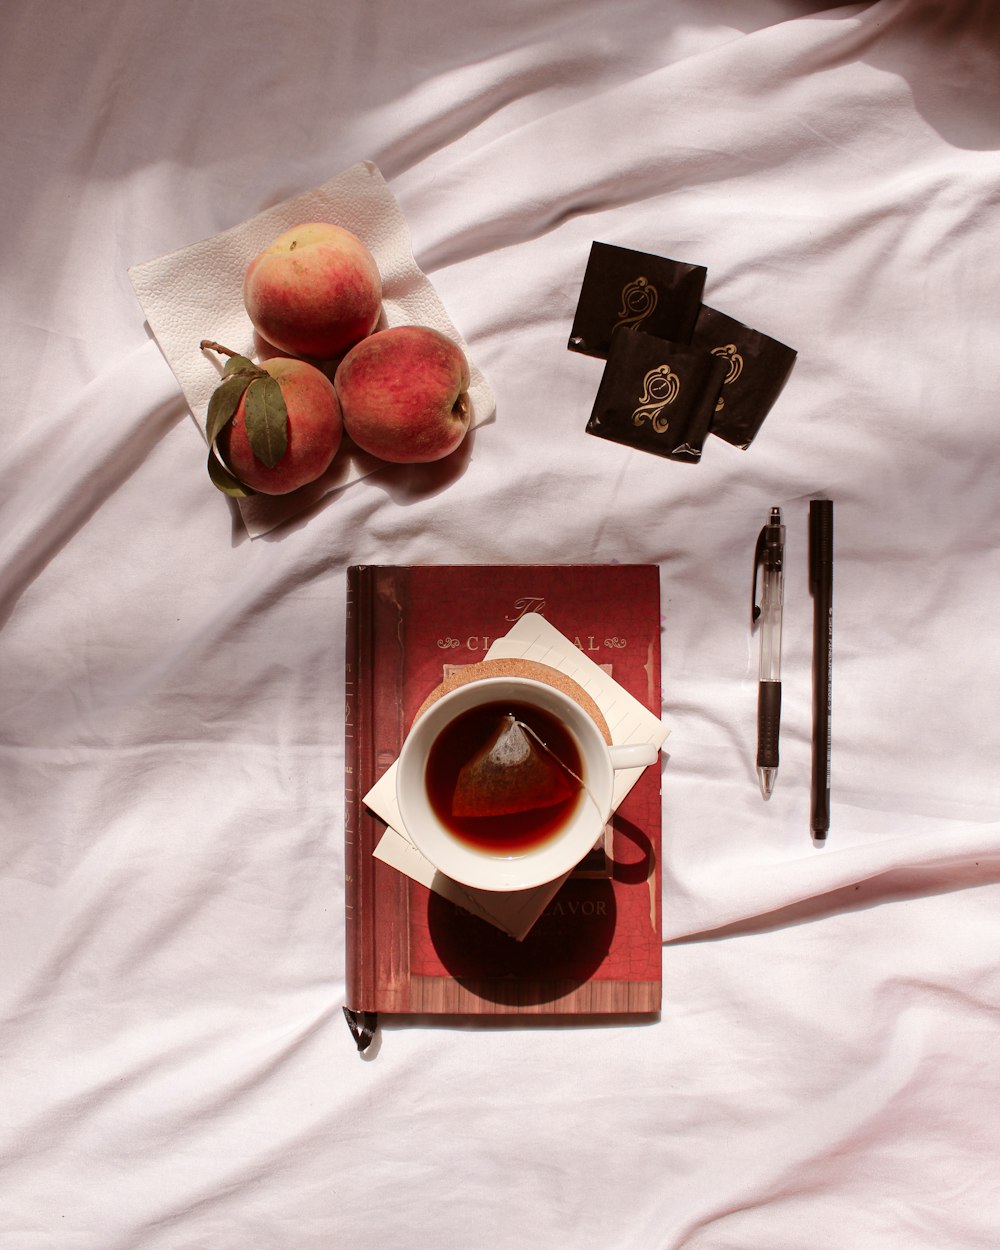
x: 623, y: 288
x: 757, y: 368
x: 657, y: 396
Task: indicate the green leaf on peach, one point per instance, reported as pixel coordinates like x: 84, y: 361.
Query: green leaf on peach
x: 266, y: 420
x: 224, y: 402
x: 241, y: 364
x: 223, y: 480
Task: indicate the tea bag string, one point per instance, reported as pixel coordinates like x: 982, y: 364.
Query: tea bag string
x: 525, y: 728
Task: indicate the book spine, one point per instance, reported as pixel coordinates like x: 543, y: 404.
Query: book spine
x: 358, y: 697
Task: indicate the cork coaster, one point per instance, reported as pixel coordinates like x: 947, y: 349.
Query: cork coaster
x: 520, y: 668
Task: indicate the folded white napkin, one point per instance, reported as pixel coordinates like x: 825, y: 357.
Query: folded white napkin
x: 197, y: 293
x: 629, y: 722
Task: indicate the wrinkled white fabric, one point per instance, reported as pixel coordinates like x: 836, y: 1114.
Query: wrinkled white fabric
x: 176, y: 1068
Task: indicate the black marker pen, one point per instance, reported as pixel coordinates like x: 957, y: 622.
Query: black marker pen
x: 821, y: 588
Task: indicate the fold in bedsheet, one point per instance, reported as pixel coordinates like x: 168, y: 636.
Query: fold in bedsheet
x: 176, y: 1068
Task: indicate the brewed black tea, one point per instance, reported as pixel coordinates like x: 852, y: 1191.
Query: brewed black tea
x: 504, y: 777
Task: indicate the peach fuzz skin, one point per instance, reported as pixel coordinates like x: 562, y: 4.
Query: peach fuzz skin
x: 315, y: 291
x: 403, y: 394
x: 315, y: 431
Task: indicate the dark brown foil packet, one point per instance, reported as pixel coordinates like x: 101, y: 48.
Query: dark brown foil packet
x: 657, y: 396
x: 638, y: 291
x: 757, y: 368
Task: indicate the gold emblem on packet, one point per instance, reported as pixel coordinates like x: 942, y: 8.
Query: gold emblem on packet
x: 731, y: 357
x: 660, y: 387
x: 639, y: 298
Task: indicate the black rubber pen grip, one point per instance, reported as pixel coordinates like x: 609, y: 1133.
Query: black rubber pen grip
x: 768, y: 723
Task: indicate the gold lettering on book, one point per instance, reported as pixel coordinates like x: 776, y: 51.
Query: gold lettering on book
x: 639, y: 298
x: 734, y: 360
x: 660, y: 387
x: 527, y: 603
x: 587, y: 907
x: 591, y: 645
x: 475, y: 642
x: 481, y: 643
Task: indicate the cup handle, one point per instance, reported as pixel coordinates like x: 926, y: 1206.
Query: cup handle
x: 638, y: 755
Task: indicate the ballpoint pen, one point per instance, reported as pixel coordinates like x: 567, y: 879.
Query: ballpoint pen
x: 769, y: 559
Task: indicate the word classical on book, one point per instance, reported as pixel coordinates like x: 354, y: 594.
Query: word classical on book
x: 521, y: 607
x: 586, y: 643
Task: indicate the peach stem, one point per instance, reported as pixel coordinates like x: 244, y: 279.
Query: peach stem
x: 217, y: 347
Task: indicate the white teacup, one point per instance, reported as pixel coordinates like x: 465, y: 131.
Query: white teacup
x: 561, y: 848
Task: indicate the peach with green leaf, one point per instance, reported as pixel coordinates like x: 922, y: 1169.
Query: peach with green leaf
x: 271, y: 427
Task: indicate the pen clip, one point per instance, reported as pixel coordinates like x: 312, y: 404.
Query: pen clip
x: 758, y: 559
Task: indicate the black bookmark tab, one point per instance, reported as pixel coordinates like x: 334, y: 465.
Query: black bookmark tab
x: 362, y: 1025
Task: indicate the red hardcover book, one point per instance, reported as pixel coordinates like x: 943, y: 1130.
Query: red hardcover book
x: 596, y: 948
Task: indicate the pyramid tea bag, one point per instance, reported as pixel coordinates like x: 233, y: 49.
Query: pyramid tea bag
x: 757, y: 368
x: 504, y: 777
x: 637, y: 290
x: 512, y: 772
x: 657, y: 396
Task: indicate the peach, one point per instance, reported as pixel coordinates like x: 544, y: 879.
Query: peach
x: 314, y: 431
x: 404, y: 394
x: 315, y: 291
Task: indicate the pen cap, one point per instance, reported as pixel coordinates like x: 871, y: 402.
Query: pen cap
x: 773, y: 541
x: 820, y: 537
x: 769, y: 555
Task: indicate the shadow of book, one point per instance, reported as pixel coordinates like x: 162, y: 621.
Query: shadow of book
x: 564, y: 949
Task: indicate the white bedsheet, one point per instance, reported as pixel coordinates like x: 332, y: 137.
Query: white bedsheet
x: 176, y: 1071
